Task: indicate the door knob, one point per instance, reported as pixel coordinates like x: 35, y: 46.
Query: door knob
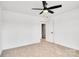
x: 51, y: 32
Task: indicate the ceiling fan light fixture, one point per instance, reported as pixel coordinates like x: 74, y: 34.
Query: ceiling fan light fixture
x: 45, y: 11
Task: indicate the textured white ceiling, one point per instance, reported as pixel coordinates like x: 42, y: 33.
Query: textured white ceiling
x: 25, y: 7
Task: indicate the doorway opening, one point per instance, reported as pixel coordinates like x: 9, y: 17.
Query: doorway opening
x: 43, y: 31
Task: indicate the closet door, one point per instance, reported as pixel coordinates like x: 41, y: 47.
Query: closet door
x: 50, y: 30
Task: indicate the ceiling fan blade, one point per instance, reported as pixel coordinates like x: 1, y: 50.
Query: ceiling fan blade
x: 50, y: 11
x: 54, y: 7
x: 37, y: 9
x: 41, y: 12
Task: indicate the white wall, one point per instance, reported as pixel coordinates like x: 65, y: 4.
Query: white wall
x: 67, y: 29
x: 0, y: 29
x: 19, y: 30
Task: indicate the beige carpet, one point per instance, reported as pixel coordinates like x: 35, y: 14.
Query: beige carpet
x: 42, y: 49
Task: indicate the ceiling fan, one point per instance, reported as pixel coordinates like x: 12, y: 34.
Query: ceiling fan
x: 45, y: 8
